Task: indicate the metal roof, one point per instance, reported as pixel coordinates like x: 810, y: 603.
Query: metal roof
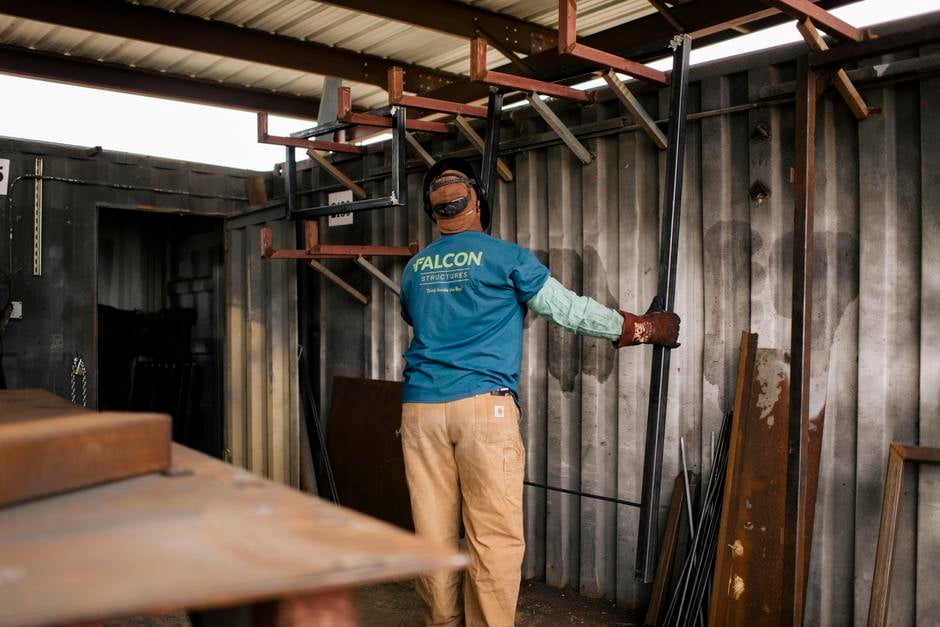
x: 304, y: 20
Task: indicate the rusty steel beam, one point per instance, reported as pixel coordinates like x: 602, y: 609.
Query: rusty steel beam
x: 795, y: 544
x: 397, y: 96
x: 568, y: 44
x: 345, y: 113
x: 898, y: 454
x: 462, y: 20
x: 297, y: 142
x: 826, y: 21
x: 479, y: 73
x: 165, y: 28
x: 59, y: 68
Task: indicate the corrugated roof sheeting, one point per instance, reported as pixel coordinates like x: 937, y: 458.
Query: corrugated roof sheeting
x: 306, y: 20
x: 876, y: 296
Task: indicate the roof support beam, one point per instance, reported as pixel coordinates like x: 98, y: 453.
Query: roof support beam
x: 122, y: 19
x: 641, y: 39
x: 462, y: 20
x: 62, y: 69
x: 804, y: 9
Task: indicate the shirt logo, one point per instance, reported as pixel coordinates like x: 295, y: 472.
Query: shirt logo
x: 450, y: 260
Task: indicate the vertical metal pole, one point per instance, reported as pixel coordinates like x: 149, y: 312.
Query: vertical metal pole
x: 37, y: 218
x: 795, y: 545
x: 399, y: 173
x: 665, y: 295
x: 494, y: 111
x: 290, y: 181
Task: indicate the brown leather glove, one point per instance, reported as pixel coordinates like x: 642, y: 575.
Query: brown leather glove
x: 654, y: 327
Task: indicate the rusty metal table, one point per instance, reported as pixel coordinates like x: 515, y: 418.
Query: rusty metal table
x: 213, y: 536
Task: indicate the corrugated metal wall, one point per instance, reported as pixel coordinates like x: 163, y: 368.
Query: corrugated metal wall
x: 876, y: 298
x: 262, y: 394
x: 59, y: 307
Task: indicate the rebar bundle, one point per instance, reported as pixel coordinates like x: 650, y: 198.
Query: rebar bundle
x: 688, y: 604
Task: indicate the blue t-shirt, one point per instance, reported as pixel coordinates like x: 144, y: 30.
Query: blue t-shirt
x: 465, y: 297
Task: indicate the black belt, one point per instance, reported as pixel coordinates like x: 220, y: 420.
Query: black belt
x: 501, y: 392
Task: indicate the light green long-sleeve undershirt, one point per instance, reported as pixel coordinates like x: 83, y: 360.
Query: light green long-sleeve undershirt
x: 579, y: 314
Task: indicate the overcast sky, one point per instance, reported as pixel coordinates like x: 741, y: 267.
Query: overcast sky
x: 77, y: 115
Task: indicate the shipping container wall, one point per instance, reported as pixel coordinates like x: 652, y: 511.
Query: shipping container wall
x: 59, y: 305
x: 876, y: 331
x: 261, y: 393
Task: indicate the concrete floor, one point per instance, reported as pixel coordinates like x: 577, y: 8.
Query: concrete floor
x: 398, y: 605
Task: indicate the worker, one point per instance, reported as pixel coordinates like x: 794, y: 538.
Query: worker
x: 465, y: 295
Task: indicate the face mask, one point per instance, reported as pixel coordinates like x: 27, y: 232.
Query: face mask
x: 450, y: 202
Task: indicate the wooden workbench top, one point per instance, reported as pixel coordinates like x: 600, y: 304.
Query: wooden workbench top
x: 218, y: 536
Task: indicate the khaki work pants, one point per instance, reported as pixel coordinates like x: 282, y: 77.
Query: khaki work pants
x: 466, y: 458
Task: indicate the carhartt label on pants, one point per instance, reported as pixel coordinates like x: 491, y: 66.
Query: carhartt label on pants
x: 499, y: 411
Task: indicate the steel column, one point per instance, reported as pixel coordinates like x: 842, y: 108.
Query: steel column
x: 795, y: 546
x: 290, y: 179
x: 665, y: 298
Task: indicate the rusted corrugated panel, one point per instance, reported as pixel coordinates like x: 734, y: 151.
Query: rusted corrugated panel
x: 875, y: 294
x: 262, y: 397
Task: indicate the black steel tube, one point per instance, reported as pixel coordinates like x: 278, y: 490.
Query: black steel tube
x: 588, y: 495
x: 488, y: 180
x: 665, y: 295
x: 399, y: 158
x: 290, y: 180
x: 367, y: 204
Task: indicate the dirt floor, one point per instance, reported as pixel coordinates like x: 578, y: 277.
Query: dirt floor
x: 398, y: 605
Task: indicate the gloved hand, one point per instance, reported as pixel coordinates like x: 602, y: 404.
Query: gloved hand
x: 653, y: 327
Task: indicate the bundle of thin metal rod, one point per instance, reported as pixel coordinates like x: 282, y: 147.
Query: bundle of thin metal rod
x: 688, y: 604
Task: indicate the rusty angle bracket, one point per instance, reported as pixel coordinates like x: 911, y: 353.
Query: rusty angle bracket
x: 568, y: 44
x: 460, y: 111
x: 314, y: 252
x: 840, y: 79
x: 534, y: 88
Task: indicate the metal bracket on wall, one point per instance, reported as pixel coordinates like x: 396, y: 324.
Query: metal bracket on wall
x: 840, y: 79
x: 665, y: 299
x: 399, y: 192
x: 533, y: 88
x: 568, y: 44
x: 460, y: 111
x: 315, y: 252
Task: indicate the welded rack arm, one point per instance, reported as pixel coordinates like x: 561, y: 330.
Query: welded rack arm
x: 665, y: 297
x: 399, y: 193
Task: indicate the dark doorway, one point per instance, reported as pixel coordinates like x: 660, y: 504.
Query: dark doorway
x: 160, y: 320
